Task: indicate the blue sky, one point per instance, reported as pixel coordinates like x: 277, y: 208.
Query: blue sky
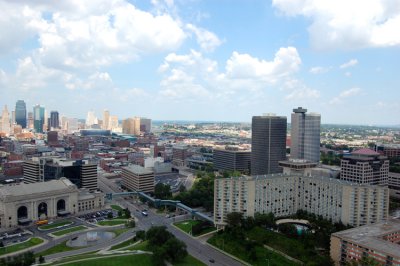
x: 204, y: 60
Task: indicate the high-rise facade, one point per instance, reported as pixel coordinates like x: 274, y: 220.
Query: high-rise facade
x: 114, y: 124
x: 20, y: 113
x: 229, y: 159
x: 268, y: 144
x: 30, y: 120
x: 91, y: 119
x: 305, y: 135
x: 145, y: 125
x: 284, y: 195
x: 5, y: 121
x: 365, y: 166
x: 54, y: 120
x: 82, y: 173
x: 138, y: 178
x: 38, y: 118
x: 106, y: 119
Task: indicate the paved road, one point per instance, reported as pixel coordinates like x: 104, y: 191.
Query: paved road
x: 195, y: 247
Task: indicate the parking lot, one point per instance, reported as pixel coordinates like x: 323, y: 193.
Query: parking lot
x: 174, y: 180
x: 14, y: 236
x: 98, y: 216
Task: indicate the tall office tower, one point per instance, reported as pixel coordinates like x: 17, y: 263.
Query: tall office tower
x: 5, y: 121
x: 232, y: 159
x: 46, y: 121
x: 63, y: 123
x: 82, y: 173
x: 12, y: 117
x: 72, y: 125
x: 106, y: 119
x: 138, y: 178
x: 54, y: 120
x: 145, y: 125
x: 136, y: 126
x: 268, y: 144
x: 38, y: 118
x: 365, y: 166
x: 305, y: 135
x: 30, y: 120
x: 91, y: 119
x: 20, y: 113
x: 128, y: 126
x: 113, y: 122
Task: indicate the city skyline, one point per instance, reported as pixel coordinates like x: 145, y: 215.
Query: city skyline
x: 215, y: 61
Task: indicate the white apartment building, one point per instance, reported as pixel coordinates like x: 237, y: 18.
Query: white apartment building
x: 283, y: 195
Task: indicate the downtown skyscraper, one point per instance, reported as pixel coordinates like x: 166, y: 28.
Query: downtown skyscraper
x: 38, y: 118
x: 20, y: 113
x: 268, y: 144
x: 305, y: 135
x: 54, y: 120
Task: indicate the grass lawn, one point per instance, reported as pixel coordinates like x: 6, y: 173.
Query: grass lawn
x: 137, y: 260
x: 119, y: 231
x: 111, y: 222
x: 140, y: 246
x: 56, y: 249
x: 239, y: 250
x: 117, y: 207
x: 54, y: 225
x: 69, y: 230
x: 78, y: 257
x: 20, y: 246
x: 293, y: 247
x: 123, y: 244
x: 186, y: 226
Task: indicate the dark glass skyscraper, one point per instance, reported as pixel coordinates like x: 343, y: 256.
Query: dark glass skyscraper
x: 54, y: 120
x: 20, y: 113
x: 38, y: 118
x: 268, y: 144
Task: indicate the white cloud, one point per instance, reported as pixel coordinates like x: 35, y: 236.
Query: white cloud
x: 87, y: 34
x: 347, y: 24
x: 345, y: 94
x: 297, y: 90
x: 351, y: 63
x: 243, y: 66
x: 194, y: 77
x: 207, y: 40
x: 319, y: 70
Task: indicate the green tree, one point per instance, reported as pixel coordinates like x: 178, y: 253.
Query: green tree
x: 141, y: 234
x: 110, y: 215
x: 182, y: 188
x: 127, y: 213
x: 130, y: 223
x: 41, y: 259
x: 175, y: 250
x: 234, y: 219
x: 158, y: 235
x: 162, y: 191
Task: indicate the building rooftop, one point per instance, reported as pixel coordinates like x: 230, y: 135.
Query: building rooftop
x: 372, y: 236
x: 366, y: 152
x: 23, y: 189
x: 137, y: 169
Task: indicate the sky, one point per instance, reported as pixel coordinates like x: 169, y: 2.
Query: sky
x: 206, y: 60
